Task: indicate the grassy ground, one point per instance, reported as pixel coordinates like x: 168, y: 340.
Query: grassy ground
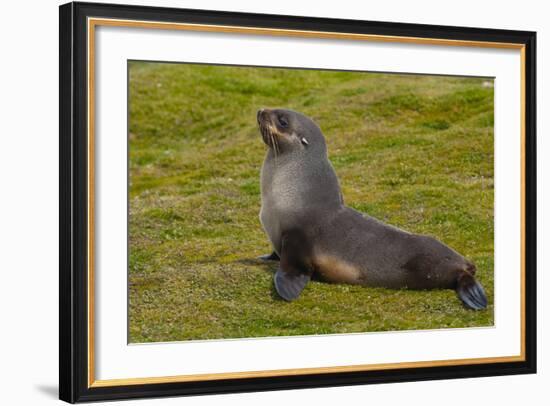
x: 415, y: 151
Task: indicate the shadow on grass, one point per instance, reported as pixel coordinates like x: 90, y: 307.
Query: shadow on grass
x: 266, y: 265
x: 270, y: 266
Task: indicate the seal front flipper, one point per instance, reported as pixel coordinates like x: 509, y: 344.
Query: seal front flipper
x: 270, y: 257
x: 289, y: 285
x: 471, y: 292
x: 294, y: 272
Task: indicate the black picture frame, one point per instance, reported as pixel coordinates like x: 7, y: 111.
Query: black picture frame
x: 73, y: 256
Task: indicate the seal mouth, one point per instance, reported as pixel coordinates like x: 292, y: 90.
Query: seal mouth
x: 268, y: 130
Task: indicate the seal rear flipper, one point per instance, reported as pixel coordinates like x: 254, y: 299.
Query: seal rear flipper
x: 270, y: 257
x: 471, y: 292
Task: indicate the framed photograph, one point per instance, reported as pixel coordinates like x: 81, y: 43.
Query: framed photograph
x: 255, y: 202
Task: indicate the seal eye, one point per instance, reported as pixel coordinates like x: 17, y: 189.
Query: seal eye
x: 283, y: 122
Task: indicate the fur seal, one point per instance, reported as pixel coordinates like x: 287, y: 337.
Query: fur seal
x: 314, y: 234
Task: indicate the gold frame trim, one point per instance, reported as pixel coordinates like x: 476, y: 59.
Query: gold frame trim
x: 93, y: 22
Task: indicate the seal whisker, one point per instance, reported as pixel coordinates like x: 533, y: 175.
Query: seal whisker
x: 276, y: 146
x: 272, y: 140
x: 276, y: 140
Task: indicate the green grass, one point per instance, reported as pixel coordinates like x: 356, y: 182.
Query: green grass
x: 414, y: 151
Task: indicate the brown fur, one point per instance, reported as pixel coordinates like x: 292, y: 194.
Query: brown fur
x: 335, y: 270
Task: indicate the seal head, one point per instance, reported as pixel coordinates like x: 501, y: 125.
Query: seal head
x: 286, y: 130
